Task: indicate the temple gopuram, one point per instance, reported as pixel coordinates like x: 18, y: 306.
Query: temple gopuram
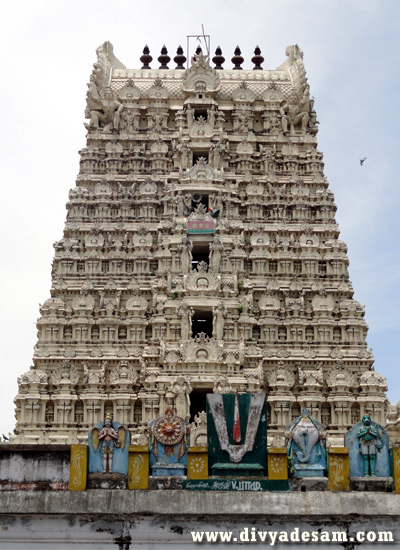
x: 200, y: 255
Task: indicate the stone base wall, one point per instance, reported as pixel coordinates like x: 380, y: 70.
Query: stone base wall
x: 34, y: 467
x: 159, y: 519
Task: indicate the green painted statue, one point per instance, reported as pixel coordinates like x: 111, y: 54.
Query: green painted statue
x: 370, y: 441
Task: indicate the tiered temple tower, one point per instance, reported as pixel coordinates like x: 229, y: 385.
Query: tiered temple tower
x: 200, y: 254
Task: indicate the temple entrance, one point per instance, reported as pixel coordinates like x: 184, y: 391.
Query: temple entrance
x: 200, y: 253
x: 202, y: 322
x: 198, y: 401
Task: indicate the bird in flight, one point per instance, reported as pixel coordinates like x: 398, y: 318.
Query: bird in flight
x: 362, y: 161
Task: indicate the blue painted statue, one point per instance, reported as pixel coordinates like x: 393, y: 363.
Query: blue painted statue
x: 108, y: 447
x: 306, y: 444
x: 168, y: 435
x: 368, y: 445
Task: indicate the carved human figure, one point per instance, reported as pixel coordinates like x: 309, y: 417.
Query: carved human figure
x: 179, y: 203
x: 182, y: 389
x: 221, y: 385
x: 284, y: 120
x: 108, y: 436
x: 370, y: 442
x: 93, y: 99
x: 85, y: 372
x: 211, y: 116
x: 109, y: 115
x: 305, y: 107
x: 143, y: 369
x: 218, y: 204
x: 130, y: 121
x: 186, y: 255
x: 244, y: 121
x: 268, y: 158
x: 216, y: 152
x: 249, y: 301
x: 216, y: 249
x: 185, y: 312
x: 219, y: 315
x: 189, y: 115
x: 103, y: 371
x: 157, y: 122
x: 297, y: 114
x: 186, y: 156
x: 118, y: 299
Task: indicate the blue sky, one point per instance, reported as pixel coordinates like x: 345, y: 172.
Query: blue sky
x: 351, y: 53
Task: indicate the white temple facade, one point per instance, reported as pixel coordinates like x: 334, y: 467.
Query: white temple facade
x: 200, y: 253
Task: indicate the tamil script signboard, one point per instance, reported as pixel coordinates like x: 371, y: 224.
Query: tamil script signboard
x: 254, y: 485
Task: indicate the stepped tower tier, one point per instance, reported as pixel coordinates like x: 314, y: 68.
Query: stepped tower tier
x: 200, y: 254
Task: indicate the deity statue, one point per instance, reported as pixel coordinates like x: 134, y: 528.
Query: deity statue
x: 157, y: 122
x: 186, y: 255
x: 211, y: 116
x: 186, y: 314
x: 216, y: 249
x: 370, y: 441
x: 244, y: 121
x: 106, y: 440
x: 186, y: 156
x: 182, y: 389
x: 249, y: 301
x: 108, y: 113
x: 284, y: 120
x: 108, y: 437
x: 219, y: 315
x: 306, y: 444
x: 297, y: 114
x: 222, y: 385
x: 189, y: 115
x: 118, y: 299
x: 93, y: 99
x: 216, y: 152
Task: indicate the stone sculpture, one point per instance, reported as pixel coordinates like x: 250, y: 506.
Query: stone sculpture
x: 198, y: 430
x: 370, y: 442
x: 305, y: 441
x: 168, y: 439
x: 368, y: 445
x: 219, y: 316
x: 186, y: 313
x: 108, y: 447
x: 108, y: 113
x: 182, y: 389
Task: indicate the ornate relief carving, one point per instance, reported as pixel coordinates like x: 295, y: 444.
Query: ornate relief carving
x: 200, y: 77
x: 339, y: 375
x: 201, y: 349
x: 281, y: 377
x: 123, y: 374
x: 202, y: 280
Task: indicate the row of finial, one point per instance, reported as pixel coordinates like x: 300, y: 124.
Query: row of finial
x: 218, y: 58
